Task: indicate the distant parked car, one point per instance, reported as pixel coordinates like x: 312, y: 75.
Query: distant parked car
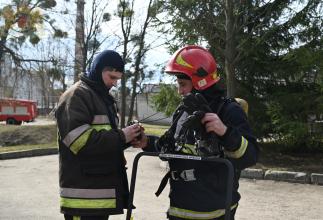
x: 15, y: 111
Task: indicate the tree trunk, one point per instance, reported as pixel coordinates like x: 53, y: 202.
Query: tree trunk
x: 123, y: 100
x: 136, y: 75
x: 138, y: 62
x: 229, y: 71
x: 3, y: 40
x: 229, y: 48
x: 124, y: 89
x: 79, y: 40
x: 126, y: 24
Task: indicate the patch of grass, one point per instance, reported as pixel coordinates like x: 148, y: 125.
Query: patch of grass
x: 26, y: 137
x: 157, y: 130
x: 27, y: 147
x: 19, y: 138
x: 11, y: 135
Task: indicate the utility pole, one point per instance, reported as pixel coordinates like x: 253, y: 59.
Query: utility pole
x: 79, y: 40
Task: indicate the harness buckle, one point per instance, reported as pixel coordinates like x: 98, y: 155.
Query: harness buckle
x: 174, y: 175
x: 186, y: 175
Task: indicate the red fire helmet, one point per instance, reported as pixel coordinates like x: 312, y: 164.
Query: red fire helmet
x: 195, y: 62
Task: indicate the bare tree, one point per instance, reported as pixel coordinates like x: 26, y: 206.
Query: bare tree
x: 20, y: 22
x: 142, y: 49
x: 87, y: 30
x: 134, y: 45
x: 125, y: 12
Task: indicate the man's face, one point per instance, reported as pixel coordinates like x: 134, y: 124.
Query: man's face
x: 185, y: 86
x: 111, y: 77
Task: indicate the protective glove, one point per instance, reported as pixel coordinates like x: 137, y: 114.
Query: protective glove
x: 196, y: 105
x: 195, y: 102
x: 166, y: 142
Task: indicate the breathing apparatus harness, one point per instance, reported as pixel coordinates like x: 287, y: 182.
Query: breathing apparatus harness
x: 206, y: 144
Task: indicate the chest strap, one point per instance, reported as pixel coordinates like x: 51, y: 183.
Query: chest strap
x: 184, y: 175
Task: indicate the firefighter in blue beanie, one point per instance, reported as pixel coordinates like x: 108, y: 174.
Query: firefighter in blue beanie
x: 92, y: 176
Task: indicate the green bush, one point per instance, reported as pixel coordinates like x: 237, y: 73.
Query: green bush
x: 291, y: 132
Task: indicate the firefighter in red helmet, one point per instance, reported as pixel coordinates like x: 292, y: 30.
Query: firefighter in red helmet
x: 197, y: 64
x: 197, y: 189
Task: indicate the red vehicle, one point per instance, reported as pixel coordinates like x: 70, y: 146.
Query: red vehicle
x: 15, y: 111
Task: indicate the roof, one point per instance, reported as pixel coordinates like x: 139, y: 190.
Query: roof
x: 17, y: 100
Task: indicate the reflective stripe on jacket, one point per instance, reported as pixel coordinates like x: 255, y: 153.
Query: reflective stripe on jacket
x: 77, y: 138
x: 88, y: 198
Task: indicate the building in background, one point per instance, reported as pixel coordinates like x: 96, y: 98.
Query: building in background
x: 19, y: 83
x: 144, y: 111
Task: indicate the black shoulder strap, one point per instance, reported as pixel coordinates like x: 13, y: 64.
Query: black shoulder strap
x: 224, y: 101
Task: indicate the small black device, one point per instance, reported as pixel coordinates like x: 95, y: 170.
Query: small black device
x: 138, y: 123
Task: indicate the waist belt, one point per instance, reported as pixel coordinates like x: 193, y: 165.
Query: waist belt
x: 184, y: 175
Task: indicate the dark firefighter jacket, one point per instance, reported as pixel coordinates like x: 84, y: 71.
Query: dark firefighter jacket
x: 198, y: 188
x: 92, y: 173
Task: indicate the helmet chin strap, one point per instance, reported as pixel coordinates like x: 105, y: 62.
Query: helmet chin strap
x: 194, y: 91
x: 210, y: 93
x: 182, y: 76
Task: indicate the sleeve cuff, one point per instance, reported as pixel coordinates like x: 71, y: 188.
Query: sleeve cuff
x: 151, y: 146
x: 231, y: 140
x: 122, y: 139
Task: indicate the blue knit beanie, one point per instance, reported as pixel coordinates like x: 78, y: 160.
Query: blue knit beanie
x: 107, y: 58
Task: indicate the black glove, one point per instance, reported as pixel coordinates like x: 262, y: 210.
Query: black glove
x: 197, y: 106
x: 195, y: 102
x: 166, y: 142
x: 194, y: 121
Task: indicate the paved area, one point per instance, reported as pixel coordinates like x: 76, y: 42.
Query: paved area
x: 29, y: 191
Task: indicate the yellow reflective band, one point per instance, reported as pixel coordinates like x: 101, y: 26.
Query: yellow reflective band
x: 189, y: 214
x: 181, y: 61
x: 240, y: 152
x: 189, y: 149
x: 88, y: 203
x: 82, y: 139
x: 101, y: 127
x: 76, y: 218
x: 74, y: 134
